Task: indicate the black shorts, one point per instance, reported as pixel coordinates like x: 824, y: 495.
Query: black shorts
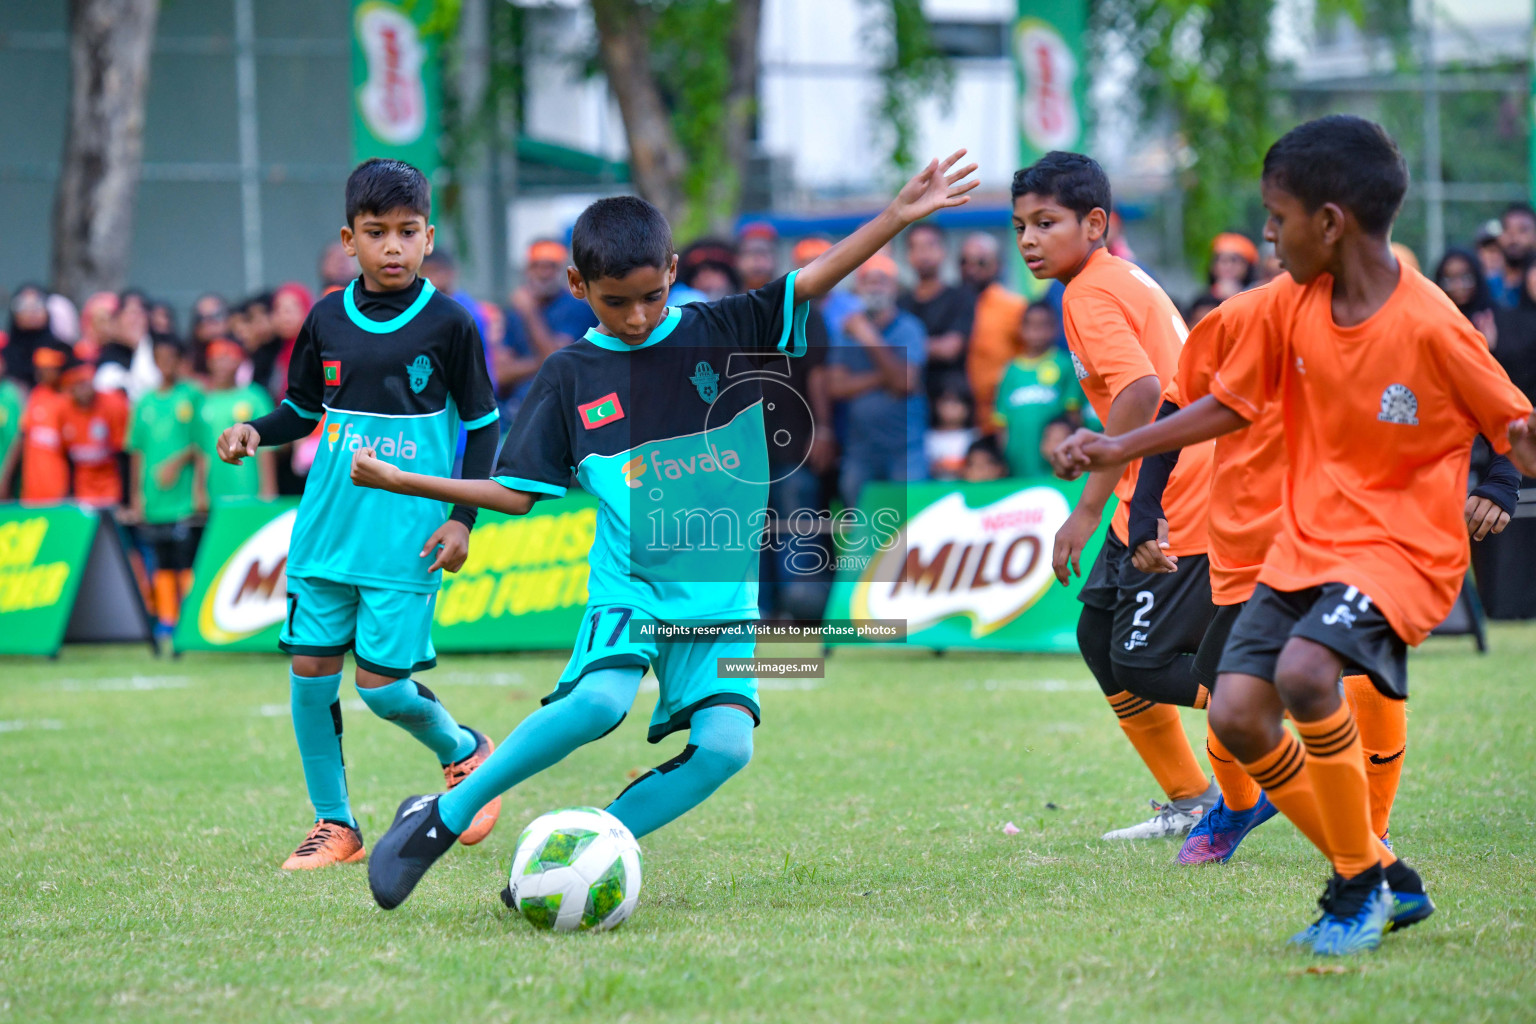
x: 1208, y: 657
x: 1335, y: 615
x: 1158, y: 616
x: 174, y: 544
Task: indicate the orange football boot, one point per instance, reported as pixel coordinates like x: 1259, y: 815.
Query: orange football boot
x: 328, y: 843
x: 453, y: 774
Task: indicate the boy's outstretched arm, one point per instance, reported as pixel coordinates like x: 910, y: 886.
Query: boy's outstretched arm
x: 369, y: 471
x: 936, y: 187
x: 1089, y: 451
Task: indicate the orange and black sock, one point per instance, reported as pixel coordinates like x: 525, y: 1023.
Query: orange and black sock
x: 167, y: 597
x: 1158, y: 736
x: 1238, y: 789
x: 1336, y: 765
x: 1283, y: 774
x: 1383, y: 725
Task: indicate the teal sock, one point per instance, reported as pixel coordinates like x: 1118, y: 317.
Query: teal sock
x: 592, y: 709
x: 317, y: 727
x: 719, y: 746
x: 417, y: 710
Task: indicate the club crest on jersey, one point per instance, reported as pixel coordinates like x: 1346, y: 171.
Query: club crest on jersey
x: 706, y: 380
x: 1399, y: 405
x: 1077, y: 366
x: 419, y: 371
x: 600, y: 412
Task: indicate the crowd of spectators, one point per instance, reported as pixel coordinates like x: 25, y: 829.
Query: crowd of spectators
x: 933, y: 371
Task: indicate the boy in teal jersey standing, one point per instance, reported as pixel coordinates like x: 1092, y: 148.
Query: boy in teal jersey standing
x: 390, y: 364
x: 652, y: 416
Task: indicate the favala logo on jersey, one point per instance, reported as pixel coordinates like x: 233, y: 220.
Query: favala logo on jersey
x: 384, y: 446
x: 708, y: 460
x: 634, y: 469
x: 988, y: 564
x: 249, y: 592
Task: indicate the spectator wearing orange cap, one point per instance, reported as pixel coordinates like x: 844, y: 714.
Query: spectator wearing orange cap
x: 44, y: 465
x: 549, y: 314
x: 757, y: 254
x: 1234, y: 264
x: 12, y: 401
x: 93, y: 427
x: 945, y: 310
x: 224, y: 404
x: 878, y: 381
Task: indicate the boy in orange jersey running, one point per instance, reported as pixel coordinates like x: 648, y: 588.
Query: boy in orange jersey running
x: 1382, y: 385
x: 1138, y: 631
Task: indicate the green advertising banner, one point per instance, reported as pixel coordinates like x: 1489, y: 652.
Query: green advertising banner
x: 1052, y: 73
x: 396, y: 89
x: 524, y: 586
x: 965, y: 565
x: 43, y: 555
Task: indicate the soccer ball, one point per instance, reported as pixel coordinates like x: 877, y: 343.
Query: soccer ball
x: 576, y: 869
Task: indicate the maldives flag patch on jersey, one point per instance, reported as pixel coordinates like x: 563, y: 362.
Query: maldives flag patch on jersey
x: 332, y: 369
x: 601, y: 412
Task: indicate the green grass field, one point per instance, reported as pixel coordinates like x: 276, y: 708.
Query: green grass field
x: 857, y: 870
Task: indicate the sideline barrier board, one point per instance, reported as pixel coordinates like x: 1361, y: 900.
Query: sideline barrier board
x: 523, y: 587
x: 64, y: 576
x: 966, y: 565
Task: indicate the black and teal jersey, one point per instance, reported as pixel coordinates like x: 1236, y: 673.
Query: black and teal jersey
x: 398, y: 372
x: 669, y: 437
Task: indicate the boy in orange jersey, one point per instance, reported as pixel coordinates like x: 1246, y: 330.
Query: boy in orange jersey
x: 1138, y: 631
x: 1382, y: 385
x: 94, y: 428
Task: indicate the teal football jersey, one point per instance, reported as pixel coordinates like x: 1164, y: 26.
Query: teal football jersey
x: 669, y: 437
x: 399, y: 372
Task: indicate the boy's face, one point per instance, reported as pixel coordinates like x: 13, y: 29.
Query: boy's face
x: 1039, y: 329
x: 982, y: 466
x: 83, y: 389
x: 388, y: 246
x: 628, y: 307
x: 222, y: 367
x: 925, y: 252
x: 168, y: 361
x: 1304, y: 241
x: 1054, y: 241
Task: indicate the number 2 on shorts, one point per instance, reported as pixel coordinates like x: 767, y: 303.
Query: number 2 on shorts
x: 1143, y: 609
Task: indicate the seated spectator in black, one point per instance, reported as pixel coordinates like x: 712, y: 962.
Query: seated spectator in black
x: 951, y: 435
x: 29, y: 331
x: 983, y: 462
x: 1516, y: 334
x: 260, y: 340
x: 946, y: 310
x: 1198, y: 307
x: 1460, y: 276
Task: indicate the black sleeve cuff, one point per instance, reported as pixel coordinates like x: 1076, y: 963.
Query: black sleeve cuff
x: 1151, y: 481
x: 282, y: 425
x: 1501, y: 484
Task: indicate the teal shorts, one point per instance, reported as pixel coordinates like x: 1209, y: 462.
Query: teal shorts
x: 387, y: 631
x: 686, y: 671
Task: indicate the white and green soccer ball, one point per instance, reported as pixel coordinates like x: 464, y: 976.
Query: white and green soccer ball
x: 576, y: 869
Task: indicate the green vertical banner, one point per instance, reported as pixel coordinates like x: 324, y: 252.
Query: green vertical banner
x: 43, y: 553
x: 396, y: 88
x: 1051, y: 64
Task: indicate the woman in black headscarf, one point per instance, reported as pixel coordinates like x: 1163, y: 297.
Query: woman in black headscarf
x: 29, y: 332
x: 1459, y: 275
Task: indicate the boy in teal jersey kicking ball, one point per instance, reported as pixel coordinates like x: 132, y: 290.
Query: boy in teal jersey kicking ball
x: 648, y: 414
x: 390, y: 364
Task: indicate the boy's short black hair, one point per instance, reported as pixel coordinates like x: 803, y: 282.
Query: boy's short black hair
x: 1345, y: 160
x: 1071, y: 179
x: 161, y: 340
x: 616, y: 235
x: 379, y: 185
x: 1518, y: 210
x: 985, y: 446
x: 1040, y: 307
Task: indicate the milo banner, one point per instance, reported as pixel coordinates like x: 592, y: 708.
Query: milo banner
x: 64, y: 576
x: 1052, y: 76
x: 395, y: 86
x: 523, y: 587
x: 968, y: 566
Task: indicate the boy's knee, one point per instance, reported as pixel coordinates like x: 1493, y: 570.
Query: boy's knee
x: 603, y: 710
x: 725, y: 739
x: 1307, y: 680
x: 1245, y: 731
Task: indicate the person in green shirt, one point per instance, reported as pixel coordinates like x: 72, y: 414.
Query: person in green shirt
x: 1037, y: 387
x: 11, y: 404
x: 165, y: 489
x: 225, y: 404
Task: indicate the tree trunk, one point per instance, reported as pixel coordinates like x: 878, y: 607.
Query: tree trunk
x: 99, y: 178
x: 740, y: 114
x: 656, y: 158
